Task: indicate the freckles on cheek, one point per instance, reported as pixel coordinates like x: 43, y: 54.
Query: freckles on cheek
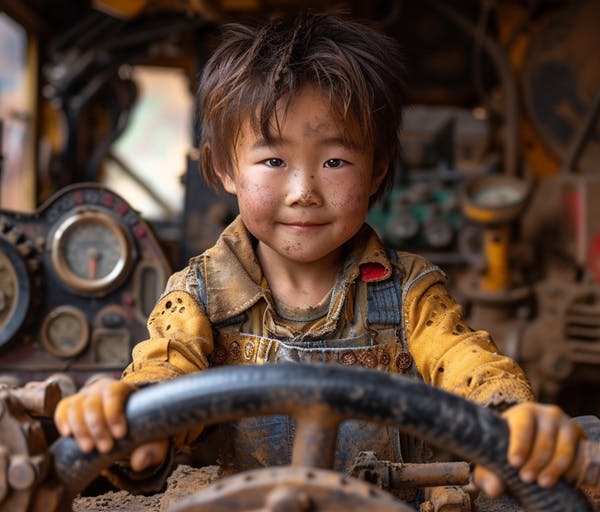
x: 255, y: 191
x: 256, y: 198
x: 351, y: 195
x: 349, y: 201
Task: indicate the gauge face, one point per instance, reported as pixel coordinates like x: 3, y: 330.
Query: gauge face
x: 91, y: 252
x: 14, y: 291
x: 65, y: 331
x: 438, y: 232
x: 402, y: 226
x: 9, y: 290
x: 111, y: 346
x: 495, y: 199
x: 497, y: 196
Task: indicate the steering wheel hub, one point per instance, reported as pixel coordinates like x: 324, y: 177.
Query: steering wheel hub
x: 290, y: 489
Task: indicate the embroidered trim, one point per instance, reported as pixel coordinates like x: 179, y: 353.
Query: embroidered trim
x: 249, y: 349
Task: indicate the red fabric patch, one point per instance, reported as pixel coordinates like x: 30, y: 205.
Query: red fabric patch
x: 372, y: 271
x: 594, y: 256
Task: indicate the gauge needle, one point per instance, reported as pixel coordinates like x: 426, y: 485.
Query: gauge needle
x: 93, y: 257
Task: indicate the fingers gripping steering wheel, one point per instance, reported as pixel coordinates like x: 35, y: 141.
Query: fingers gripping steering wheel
x: 319, y: 397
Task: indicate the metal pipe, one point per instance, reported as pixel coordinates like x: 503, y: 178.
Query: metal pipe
x: 429, y: 475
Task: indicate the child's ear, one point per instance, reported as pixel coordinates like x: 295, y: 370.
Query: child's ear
x: 227, y: 181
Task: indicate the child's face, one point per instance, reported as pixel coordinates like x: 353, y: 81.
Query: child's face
x: 307, y: 193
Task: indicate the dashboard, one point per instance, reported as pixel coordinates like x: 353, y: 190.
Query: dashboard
x: 78, y: 279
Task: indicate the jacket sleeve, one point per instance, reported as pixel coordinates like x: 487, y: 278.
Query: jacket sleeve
x: 180, y: 341
x: 450, y: 355
x: 180, y: 338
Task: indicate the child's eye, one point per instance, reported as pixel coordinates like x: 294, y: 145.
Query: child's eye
x: 274, y: 162
x: 334, y: 163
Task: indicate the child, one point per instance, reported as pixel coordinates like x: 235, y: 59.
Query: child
x: 300, y: 120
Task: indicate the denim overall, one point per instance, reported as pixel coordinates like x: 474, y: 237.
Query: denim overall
x: 266, y: 441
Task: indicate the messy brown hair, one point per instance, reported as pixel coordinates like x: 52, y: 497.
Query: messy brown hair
x: 357, y: 68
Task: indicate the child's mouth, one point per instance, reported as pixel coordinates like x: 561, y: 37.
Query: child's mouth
x: 303, y: 226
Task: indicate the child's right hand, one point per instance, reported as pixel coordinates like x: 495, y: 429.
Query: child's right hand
x: 542, y: 445
x: 95, y: 417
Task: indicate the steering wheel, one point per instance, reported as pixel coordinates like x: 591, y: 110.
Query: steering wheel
x: 319, y: 397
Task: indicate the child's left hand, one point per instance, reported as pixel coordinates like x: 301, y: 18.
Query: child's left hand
x: 543, y: 445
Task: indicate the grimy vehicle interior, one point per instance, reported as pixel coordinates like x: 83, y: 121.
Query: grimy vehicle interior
x: 101, y: 199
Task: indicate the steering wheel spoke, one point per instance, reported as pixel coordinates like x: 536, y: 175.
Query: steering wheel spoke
x: 316, y: 437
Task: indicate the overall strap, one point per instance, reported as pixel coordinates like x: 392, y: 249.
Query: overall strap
x: 384, y: 307
x: 384, y: 298
x: 385, y: 301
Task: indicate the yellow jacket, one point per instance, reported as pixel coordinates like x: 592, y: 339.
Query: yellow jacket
x: 219, y: 310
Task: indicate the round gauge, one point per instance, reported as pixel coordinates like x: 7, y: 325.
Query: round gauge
x: 494, y: 199
x: 438, y: 232
x: 91, y: 252
x: 497, y: 196
x: 65, y: 331
x: 15, y: 290
x: 402, y: 226
x: 111, y: 346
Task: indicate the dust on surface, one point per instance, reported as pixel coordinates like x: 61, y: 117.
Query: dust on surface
x: 503, y: 504
x: 183, y: 482
x: 187, y: 480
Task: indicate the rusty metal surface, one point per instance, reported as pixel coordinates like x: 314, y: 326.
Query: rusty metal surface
x: 290, y: 489
x: 38, y: 398
x: 25, y: 461
x: 316, y: 436
x: 389, y: 476
x: 186, y: 481
x: 447, y: 499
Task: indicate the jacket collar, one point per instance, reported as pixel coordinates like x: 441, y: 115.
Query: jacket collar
x: 234, y: 278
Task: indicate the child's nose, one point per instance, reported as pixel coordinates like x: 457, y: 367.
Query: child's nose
x: 303, y: 189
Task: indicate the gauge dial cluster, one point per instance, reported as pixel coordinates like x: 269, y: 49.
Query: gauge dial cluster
x: 78, y: 278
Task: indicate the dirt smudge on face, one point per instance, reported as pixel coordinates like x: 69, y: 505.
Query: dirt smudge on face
x: 315, y: 129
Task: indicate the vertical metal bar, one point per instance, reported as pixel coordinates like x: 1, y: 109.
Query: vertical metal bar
x: 316, y: 438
